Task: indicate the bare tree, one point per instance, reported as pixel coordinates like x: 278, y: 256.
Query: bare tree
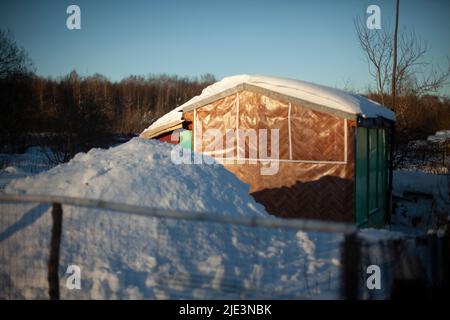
x: 13, y: 59
x: 394, y: 66
x: 413, y: 72
x: 377, y: 47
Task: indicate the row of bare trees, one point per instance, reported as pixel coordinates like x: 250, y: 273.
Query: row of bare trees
x: 125, y: 107
x: 75, y: 113
x: 84, y: 111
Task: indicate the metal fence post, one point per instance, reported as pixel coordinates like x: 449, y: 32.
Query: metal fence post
x: 53, y: 262
x: 351, y: 254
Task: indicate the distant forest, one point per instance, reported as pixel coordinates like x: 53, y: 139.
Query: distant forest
x: 74, y: 113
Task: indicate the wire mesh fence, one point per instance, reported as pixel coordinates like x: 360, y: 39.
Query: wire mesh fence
x: 129, y: 256
x: 23, y: 260
x: 34, y: 160
x: 114, y: 251
x: 423, y: 155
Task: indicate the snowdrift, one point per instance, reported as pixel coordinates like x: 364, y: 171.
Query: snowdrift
x: 122, y: 256
x: 141, y: 173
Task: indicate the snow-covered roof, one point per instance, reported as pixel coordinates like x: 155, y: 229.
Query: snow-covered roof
x: 330, y: 98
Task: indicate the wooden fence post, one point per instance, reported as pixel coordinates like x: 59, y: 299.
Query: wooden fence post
x: 53, y: 262
x: 351, y: 254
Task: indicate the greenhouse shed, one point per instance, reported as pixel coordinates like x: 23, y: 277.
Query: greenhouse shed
x: 333, y: 150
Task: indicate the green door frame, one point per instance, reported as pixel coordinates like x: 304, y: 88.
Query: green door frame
x: 373, y: 172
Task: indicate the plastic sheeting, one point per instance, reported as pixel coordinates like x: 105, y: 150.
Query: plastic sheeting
x: 211, y: 125
x: 316, y: 135
x: 315, y: 178
x: 307, y: 190
x: 260, y: 112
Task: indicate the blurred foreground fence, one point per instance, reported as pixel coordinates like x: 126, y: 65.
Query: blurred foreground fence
x: 75, y: 248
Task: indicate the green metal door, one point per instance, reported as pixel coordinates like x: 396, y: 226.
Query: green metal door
x: 361, y: 177
x: 382, y: 170
x: 374, y: 209
x: 371, y: 177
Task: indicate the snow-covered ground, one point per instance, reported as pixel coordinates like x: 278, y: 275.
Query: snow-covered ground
x: 128, y: 257
x: 436, y: 185
x: 421, y: 201
x: 13, y: 166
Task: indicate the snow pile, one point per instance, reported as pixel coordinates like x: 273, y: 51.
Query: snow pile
x: 142, y: 173
x: 122, y: 256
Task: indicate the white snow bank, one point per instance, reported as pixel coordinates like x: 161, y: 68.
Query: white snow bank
x: 322, y: 95
x: 141, y: 172
x: 123, y: 256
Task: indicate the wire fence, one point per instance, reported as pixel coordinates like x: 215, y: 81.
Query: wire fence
x: 424, y: 155
x: 71, y: 248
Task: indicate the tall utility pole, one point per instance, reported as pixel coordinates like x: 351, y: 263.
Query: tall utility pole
x: 394, y: 65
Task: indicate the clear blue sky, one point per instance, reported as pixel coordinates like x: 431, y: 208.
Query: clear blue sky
x: 312, y: 40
